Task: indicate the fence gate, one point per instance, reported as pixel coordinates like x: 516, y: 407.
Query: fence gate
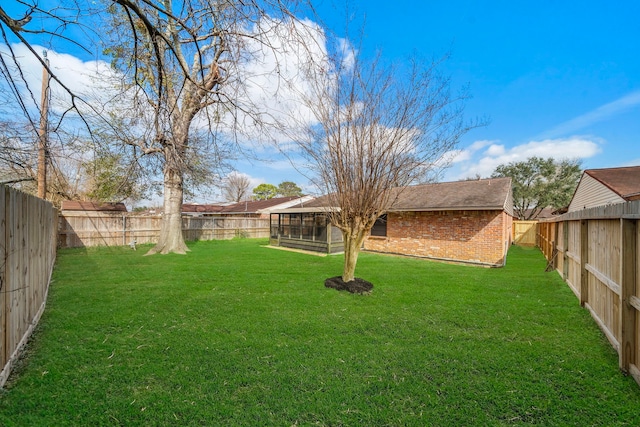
x: 524, y: 233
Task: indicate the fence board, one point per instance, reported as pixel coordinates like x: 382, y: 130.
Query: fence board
x: 4, y: 350
x: 99, y: 229
x: 27, y: 247
x: 524, y: 232
x: 600, y: 252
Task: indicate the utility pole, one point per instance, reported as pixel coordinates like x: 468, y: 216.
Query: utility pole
x: 43, y: 148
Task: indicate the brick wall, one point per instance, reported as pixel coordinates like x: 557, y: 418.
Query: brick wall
x: 469, y: 236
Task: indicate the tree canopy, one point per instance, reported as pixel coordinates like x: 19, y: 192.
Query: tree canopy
x: 289, y: 189
x: 540, y: 183
x: 265, y: 191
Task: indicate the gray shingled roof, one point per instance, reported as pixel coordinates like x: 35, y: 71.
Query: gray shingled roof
x: 625, y: 182
x: 482, y: 194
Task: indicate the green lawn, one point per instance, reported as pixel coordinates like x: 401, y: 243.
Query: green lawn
x: 235, y: 333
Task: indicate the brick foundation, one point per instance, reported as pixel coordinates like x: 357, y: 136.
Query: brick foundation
x: 468, y: 236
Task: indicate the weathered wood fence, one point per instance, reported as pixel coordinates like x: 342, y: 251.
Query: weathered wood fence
x: 524, y: 232
x: 597, y: 252
x: 95, y: 229
x: 27, y: 255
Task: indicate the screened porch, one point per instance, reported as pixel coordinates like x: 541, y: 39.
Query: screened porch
x: 308, y: 230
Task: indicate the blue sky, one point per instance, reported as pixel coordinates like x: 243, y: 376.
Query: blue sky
x: 555, y: 78
x: 564, y: 72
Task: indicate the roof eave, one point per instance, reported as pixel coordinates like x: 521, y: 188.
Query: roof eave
x: 448, y: 208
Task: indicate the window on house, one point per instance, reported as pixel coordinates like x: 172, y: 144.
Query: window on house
x: 380, y: 227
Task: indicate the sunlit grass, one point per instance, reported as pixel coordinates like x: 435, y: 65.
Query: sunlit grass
x: 235, y: 333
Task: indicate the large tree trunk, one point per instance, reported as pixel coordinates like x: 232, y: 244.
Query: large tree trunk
x: 352, y: 242
x: 171, y: 239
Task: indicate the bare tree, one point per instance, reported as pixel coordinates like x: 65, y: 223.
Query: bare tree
x: 235, y: 187
x: 180, y: 64
x: 380, y: 129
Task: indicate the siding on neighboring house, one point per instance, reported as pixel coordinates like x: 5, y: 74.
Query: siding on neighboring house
x: 591, y: 193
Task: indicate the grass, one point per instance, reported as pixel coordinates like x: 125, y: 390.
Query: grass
x: 238, y: 334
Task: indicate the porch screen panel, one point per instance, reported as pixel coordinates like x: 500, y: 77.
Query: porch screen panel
x: 296, y: 225
x: 320, y: 230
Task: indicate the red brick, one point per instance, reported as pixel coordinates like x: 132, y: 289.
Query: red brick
x: 467, y: 236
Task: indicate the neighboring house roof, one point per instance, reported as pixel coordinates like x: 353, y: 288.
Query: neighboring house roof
x: 601, y: 187
x: 264, y: 206
x: 481, y: 194
x: 197, y: 208
x: 625, y: 182
x: 71, y: 205
x: 544, y: 213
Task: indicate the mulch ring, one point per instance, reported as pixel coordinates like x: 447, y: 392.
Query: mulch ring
x: 355, y: 286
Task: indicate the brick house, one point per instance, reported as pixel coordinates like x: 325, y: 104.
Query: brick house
x: 463, y: 221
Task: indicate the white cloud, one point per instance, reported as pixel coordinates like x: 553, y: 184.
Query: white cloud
x: 599, y: 114
x: 475, y: 160
x: 80, y: 77
x: 496, y: 150
x: 275, y: 80
x: 463, y: 155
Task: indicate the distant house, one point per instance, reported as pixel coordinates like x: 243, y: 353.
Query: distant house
x: 76, y: 207
x: 601, y: 187
x: 543, y: 214
x: 464, y: 221
x: 262, y: 208
x: 196, y: 209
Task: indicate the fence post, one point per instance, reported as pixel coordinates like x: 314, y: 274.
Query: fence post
x: 584, y: 256
x: 4, y: 300
x: 565, y: 250
x: 627, y: 293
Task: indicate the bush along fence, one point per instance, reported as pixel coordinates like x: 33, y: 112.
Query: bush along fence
x: 100, y: 229
x: 597, y: 253
x: 27, y: 255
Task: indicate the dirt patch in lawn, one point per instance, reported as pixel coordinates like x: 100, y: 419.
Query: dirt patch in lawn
x: 355, y: 286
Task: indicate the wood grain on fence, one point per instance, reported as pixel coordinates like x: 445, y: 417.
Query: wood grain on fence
x: 598, y: 253
x: 99, y: 229
x: 524, y: 232
x: 27, y: 255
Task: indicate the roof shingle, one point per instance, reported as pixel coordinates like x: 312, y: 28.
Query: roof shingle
x: 72, y: 205
x: 481, y: 194
x: 625, y: 181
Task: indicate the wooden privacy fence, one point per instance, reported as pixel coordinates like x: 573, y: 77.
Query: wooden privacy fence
x: 597, y: 252
x: 524, y: 232
x: 99, y: 229
x: 27, y: 255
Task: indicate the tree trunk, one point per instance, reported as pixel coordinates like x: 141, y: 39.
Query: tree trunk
x: 352, y: 243
x: 171, y: 239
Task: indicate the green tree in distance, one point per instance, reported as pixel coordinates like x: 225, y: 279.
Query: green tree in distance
x: 265, y: 192
x: 110, y: 178
x: 289, y: 189
x: 540, y: 183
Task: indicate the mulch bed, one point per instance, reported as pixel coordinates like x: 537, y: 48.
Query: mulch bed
x: 355, y: 286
